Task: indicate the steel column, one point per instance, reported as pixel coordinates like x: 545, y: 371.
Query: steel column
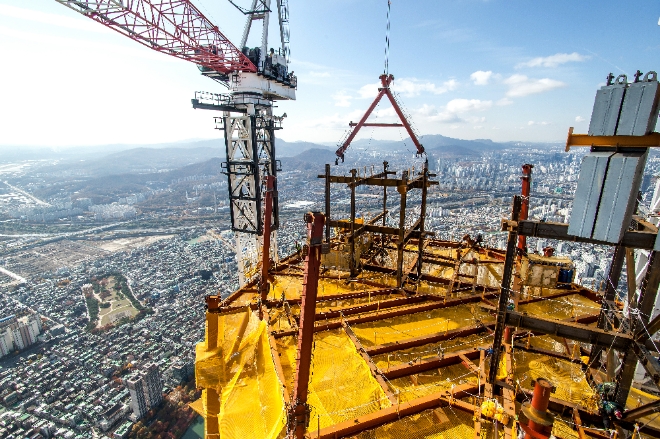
x: 505, y: 291
x: 524, y: 208
x: 611, y: 284
x: 403, y: 191
x: 352, y: 261
x: 265, y: 249
x: 647, y: 296
x: 299, y: 409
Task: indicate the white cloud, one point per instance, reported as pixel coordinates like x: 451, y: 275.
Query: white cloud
x: 480, y: 77
x: 459, y: 106
x: 579, y: 119
x: 409, y: 87
x: 531, y: 122
x: 342, y: 99
x: 52, y: 19
x: 554, y: 60
x: 504, y: 102
x: 319, y: 74
x: 521, y: 85
x: 456, y: 110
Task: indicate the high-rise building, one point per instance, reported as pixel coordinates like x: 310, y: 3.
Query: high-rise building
x: 18, y: 333
x: 145, y: 388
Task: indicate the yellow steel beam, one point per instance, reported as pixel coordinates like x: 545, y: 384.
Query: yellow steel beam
x: 650, y: 140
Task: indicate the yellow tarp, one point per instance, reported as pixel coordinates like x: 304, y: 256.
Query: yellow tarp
x: 243, y: 393
x: 341, y: 386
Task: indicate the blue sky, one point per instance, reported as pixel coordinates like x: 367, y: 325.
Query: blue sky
x: 500, y: 69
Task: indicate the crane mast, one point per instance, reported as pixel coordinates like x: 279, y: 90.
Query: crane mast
x: 255, y: 78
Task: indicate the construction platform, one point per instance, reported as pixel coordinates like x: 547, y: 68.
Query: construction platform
x: 403, y: 334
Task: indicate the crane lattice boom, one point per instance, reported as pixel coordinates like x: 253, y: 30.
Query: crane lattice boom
x: 175, y: 27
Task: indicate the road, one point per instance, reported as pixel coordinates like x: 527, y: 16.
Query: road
x: 30, y: 196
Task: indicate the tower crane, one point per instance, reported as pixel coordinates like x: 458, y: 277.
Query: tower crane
x: 255, y: 78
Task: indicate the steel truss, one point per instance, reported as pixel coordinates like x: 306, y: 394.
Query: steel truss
x: 174, y: 27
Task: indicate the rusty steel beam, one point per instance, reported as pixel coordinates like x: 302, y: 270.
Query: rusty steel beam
x: 396, y: 412
x: 523, y: 347
x: 374, y: 306
x: 299, y: 409
x: 559, y: 231
x: 505, y: 292
x: 387, y: 182
x: 393, y: 231
x: 386, y: 314
x: 641, y: 411
x: 375, y: 372
x: 572, y: 331
x: 550, y: 296
x: 420, y: 341
x: 278, y: 365
x: 431, y: 363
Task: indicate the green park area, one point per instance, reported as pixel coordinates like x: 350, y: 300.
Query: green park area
x: 111, y: 302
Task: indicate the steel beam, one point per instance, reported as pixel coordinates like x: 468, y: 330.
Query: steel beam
x: 548, y: 230
x: 647, y: 299
x: 398, y: 411
x: 420, y: 341
x: 641, y: 411
x: 572, y: 331
x: 505, y: 293
x: 299, y: 409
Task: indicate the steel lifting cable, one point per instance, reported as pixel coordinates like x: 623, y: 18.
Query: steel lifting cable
x: 387, y: 39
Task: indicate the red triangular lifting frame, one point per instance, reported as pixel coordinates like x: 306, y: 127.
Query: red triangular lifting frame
x: 385, y: 80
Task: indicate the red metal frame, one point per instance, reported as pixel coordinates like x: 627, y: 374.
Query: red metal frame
x: 174, y: 27
x: 265, y: 251
x: 524, y: 207
x: 385, y: 80
x: 299, y: 410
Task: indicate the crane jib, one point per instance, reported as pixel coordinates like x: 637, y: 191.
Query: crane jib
x: 174, y: 27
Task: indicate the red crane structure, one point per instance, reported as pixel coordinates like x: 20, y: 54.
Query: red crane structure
x: 255, y: 77
x: 176, y: 28
x: 386, y: 80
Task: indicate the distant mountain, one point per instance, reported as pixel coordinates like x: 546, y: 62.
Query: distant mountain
x: 313, y: 157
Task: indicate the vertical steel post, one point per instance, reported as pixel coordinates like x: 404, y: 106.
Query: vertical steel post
x: 299, y: 409
x: 611, y: 283
x: 327, y: 201
x: 505, y: 293
x: 647, y: 297
x: 382, y: 235
x: 403, y: 191
x: 265, y: 251
x: 524, y: 208
x: 422, y: 217
x: 352, y: 261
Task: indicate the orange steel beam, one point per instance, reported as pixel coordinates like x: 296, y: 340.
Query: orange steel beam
x: 375, y: 372
x: 524, y: 207
x: 432, y: 363
x: 649, y: 140
x: 387, y: 314
x: 278, y: 365
x: 420, y: 341
x: 299, y: 409
x: 396, y: 412
x: 549, y: 296
x: 265, y: 250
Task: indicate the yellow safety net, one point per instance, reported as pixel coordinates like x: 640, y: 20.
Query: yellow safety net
x: 291, y: 287
x: 568, y: 378
x: 431, y: 350
x: 419, y: 324
x: 562, y: 308
x: 341, y: 385
x: 441, y: 423
x: 243, y: 397
x: 638, y: 398
x: 433, y: 381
